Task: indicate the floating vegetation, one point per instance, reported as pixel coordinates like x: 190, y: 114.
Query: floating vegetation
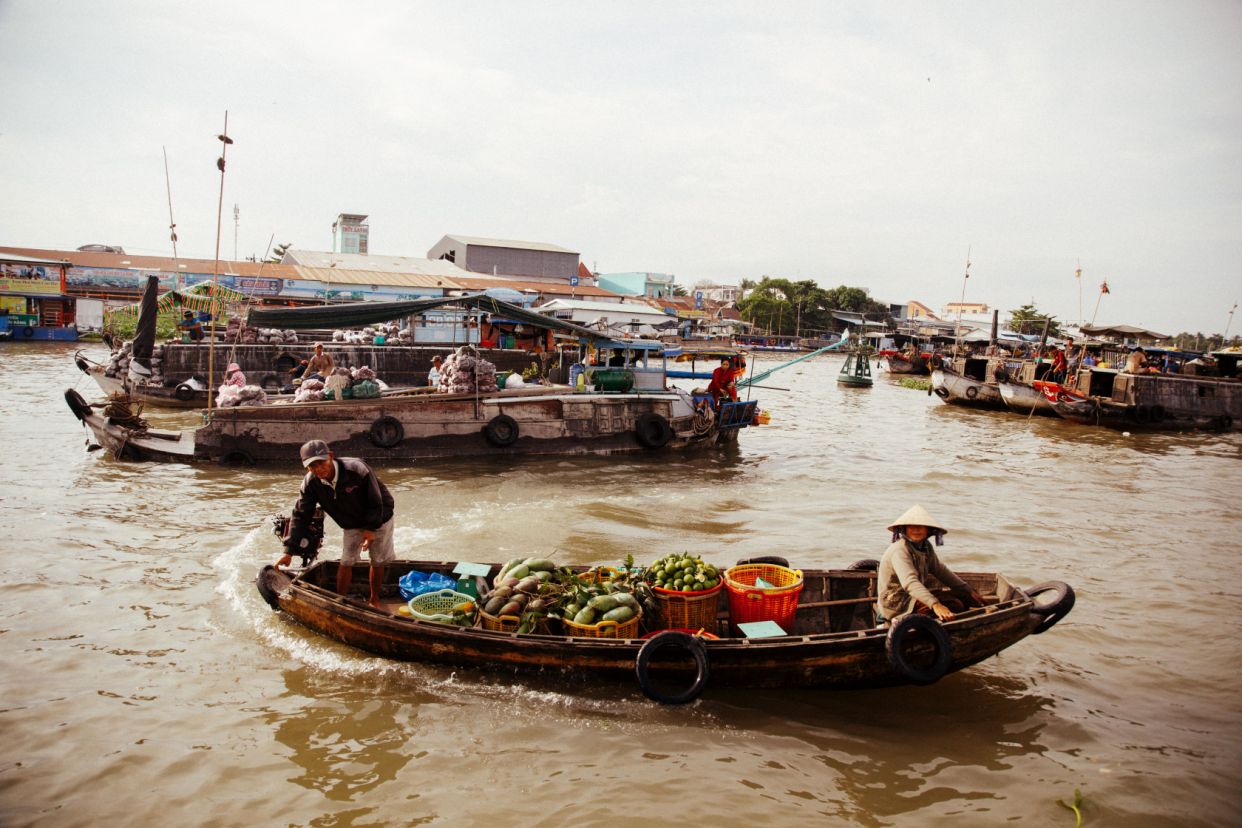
x: 916, y: 384
x: 1075, y: 807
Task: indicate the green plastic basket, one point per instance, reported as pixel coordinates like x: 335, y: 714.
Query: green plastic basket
x: 438, y: 606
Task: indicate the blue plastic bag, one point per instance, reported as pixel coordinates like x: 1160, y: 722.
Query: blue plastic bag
x: 415, y: 583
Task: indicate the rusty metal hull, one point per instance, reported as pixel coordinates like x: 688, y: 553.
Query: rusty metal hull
x: 823, y: 656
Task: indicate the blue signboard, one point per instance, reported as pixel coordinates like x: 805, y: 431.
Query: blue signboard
x: 573, y: 281
x: 698, y: 299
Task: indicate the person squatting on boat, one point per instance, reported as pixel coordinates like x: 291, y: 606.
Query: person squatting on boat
x: 907, y: 564
x: 349, y: 493
x: 724, y: 382
x: 191, y: 326
x: 320, y: 364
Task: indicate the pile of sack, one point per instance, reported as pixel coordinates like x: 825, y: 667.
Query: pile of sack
x: 465, y: 372
x: 235, y: 395
x: 236, y: 332
x: 353, y: 383
x: 384, y: 334
x: 118, y: 363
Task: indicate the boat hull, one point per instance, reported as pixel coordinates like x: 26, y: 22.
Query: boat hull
x: 957, y: 389
x: 404, y: 428
x: 818, y: 655
x: 1024, y: 399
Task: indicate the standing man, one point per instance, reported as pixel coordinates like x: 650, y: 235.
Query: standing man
x: 350, y: 493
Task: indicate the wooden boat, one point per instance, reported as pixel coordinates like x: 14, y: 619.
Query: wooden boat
x: 1152, y: 402
x: 836, y: 643
x: 969, y: 381
x: 419, y: 426
x: 897, y: 362
x: 1025, y: 388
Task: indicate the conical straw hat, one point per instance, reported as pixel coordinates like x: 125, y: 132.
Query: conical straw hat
x: 916, y: 515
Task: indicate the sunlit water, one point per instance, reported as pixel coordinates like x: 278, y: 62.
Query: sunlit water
x: 145, y: 682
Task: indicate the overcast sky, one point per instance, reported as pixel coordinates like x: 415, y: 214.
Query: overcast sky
x: 868, y: 144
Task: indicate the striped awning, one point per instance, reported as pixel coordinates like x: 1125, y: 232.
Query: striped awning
x: 173, y: 299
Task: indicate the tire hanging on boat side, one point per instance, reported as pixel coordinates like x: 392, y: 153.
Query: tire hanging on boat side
x: 894, y: 648
x: 79, y: 406
x: 387, y: 431
x: 652, y: 431
x: 501, y: 431
x: 184, y: 392
x: 1052, y: 608
x: 972, y: 391
x: 666, y: 640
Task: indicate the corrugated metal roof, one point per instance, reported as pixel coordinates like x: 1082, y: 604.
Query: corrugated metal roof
x: 632, y: 308
x: 510, y: 243
x: 127, y: 261
x: 349, y: 276
x: 371, y: 262
x: 475, y: 282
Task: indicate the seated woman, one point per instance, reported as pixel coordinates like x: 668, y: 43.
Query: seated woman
x: 724, y: 382
x: 909, y: 569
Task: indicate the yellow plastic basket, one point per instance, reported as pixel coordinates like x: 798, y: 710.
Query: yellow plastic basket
x: 605, y: 629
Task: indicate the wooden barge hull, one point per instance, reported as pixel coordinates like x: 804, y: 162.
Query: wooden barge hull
x: 819, y: 658
x: 955, y: 389
x: 1024, y: 399
x: 415, y: 427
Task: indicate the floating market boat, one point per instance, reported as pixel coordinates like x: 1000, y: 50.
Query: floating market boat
x: 626, y: 408
x: 968, y: 381
x: 1154, y: 402
x: 835, y: 642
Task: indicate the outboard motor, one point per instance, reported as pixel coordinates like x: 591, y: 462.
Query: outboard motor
x: 300, y: 540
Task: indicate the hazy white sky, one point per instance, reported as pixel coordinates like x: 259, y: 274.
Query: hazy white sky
x: 867, y: 144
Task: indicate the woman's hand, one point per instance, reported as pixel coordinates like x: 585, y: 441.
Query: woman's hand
x: 943, y: 612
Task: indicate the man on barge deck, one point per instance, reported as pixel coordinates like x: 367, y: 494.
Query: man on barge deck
x: 349, y: 492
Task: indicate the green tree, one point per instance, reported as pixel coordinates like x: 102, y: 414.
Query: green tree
x: 278, y: 253
x: 678, y: 290
x: 1028, y: 320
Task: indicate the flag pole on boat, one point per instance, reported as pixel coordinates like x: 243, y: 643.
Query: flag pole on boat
x: 225, y: 140
x: 172, y: 225
x: 957, y: 331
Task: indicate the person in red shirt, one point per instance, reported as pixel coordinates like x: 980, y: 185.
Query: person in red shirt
x: 723, y: 382
x: 1059, y: 365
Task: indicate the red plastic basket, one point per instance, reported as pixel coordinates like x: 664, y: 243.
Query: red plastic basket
x: 748, y: 603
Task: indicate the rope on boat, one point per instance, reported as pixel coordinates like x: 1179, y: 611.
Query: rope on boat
x: 125, y: 411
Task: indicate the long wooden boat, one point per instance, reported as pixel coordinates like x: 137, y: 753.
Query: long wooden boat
x: 419, y: 426
x: 897, y: 362
x: 1153, y: 402
x: 836, y: 643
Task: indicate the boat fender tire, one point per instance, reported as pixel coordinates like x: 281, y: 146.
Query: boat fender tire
x: 236, y: 457
x: 865, y: 565
x: 1053, y: 607
x: 1158, y: 414
x: 501, y: 431
x: 972, y: 391
x: 942, y: 392
x: 672, y: 639
x: 80, y: 407
x: 775, y: 560
x: 1002, y: 375
x: 28, y: 331
x: 184, y: 392
x: 1141, y: 414
x: 83, y: 365
x: 387, y: 431
x: 1225, y: 422
x: 894, y: 648
x: 271, y: 382
x: 652, y: 430
x: 264, y: 584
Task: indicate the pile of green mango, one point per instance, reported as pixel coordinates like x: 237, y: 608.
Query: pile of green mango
x: 682, y: 573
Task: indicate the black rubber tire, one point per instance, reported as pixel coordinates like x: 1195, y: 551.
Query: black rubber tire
x: 1225, y: 422
x: 501, y: 431
x: 83, y: 365
x: 265, y: 587
x: 28, y: 331
x: 652, y: 431
x: 79, y: 406
x: 865, y: 565
x: 775, y: 560
x: 897, y: 658
x: 942, y: 392
x: 386, y: 432
x: 184, y: 392
x: 236, y: 457
x: 1053, y: 609
x: 1141, y: 414
x: 1158, y: 414
x: 271, y: 382
x: 1001, y: 375
x: 672, y: 638
x: 972, y: 391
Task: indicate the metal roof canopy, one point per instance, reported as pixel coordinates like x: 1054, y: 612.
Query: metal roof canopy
x: 1122, y: 330
x: 356, y: 314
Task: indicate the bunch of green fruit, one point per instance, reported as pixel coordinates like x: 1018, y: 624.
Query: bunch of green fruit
x: 682, y: 573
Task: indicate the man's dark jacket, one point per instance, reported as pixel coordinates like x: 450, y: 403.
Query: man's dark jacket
x: 360, y: 501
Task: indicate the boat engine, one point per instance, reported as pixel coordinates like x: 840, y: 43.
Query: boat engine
x: 300, y: 540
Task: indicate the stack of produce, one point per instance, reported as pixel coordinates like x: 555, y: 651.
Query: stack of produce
x: 233, y: 395
x: 465, y: 372
x: 309, y: 391
x: 687, y: 591
x: 118, y: 363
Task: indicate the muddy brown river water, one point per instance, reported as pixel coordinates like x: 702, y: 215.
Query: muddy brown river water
x: 145, y: 682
